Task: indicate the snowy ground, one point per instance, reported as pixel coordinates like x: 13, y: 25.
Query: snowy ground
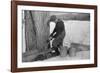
x: 79, y: 55
x: 77, y: 32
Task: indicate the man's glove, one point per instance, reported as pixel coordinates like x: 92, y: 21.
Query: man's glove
x: 50, y: 38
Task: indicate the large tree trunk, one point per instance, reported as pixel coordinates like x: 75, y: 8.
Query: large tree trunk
x: 40, y: 19
x: 36, y: 30
x: 30, y: 34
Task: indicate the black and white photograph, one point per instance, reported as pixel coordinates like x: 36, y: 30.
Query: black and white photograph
x: 55, y: 36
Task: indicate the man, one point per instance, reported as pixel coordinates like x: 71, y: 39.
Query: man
x: 58, y: 33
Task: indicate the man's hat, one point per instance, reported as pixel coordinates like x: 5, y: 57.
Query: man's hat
x: 53, y: 18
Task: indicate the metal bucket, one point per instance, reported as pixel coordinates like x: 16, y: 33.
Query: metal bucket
x: 63, y: 51
x: 72, y: 52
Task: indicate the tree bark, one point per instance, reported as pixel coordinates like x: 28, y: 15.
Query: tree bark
x: 40, y: 19
x: 30, y: 35
x: 36, y: 30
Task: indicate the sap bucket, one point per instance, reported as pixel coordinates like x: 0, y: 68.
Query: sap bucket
x: 63, y: 51
x: 72, y: 52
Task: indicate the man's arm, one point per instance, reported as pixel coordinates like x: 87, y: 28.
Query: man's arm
x: 53, y: 33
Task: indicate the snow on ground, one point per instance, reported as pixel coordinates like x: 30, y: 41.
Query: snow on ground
x: 77, y: 32
x: 79, y: 55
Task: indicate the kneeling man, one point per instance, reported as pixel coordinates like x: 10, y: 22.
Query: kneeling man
x: 58, y: 33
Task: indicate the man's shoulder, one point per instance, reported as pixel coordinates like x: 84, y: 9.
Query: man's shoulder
x: 60, y: 22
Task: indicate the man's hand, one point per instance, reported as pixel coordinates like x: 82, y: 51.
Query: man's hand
x: 50, y: 38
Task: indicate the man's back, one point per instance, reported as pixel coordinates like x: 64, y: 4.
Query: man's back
x: 59, y: 28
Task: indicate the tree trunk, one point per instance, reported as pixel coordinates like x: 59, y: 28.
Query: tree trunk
x: 30, y: 35
x: 36, y: 30
x: 40, y: 19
